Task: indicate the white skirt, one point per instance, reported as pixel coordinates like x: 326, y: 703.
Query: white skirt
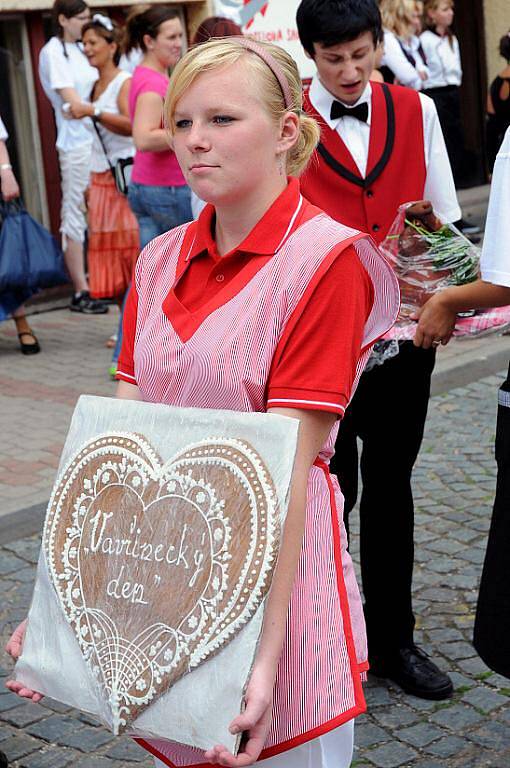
x: 333, y: 750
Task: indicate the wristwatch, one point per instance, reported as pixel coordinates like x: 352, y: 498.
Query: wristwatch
x: 97, y: 113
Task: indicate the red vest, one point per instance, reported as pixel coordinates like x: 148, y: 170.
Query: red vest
x: 396, y: 170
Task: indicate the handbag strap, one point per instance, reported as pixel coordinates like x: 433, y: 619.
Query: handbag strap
x: 112, y: 169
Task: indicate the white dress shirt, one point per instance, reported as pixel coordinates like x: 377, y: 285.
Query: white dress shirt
x: 443, y: 60
x: 395, y: 59
x: 439, y: 184
x: 495, y: 259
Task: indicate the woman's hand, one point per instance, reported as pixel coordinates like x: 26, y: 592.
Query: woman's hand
x: 9, y: 185
x: 79, y: 109
x: 14, y: 648
x: 436, y: 322
x: 254, y: 722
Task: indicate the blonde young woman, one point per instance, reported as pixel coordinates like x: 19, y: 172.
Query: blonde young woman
x: 236, y: 319
x: 404, y: 60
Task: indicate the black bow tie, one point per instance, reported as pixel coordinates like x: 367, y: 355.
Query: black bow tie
x: 360, y: 112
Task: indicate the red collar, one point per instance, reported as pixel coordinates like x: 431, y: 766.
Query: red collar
x: 267, y: 236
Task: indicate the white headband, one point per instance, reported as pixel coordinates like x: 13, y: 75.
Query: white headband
x: 105, y: 21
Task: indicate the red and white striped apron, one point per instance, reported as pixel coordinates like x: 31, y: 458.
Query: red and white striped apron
x: 226, y: 364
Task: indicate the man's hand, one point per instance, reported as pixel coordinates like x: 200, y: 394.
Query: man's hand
x: 436, y: 323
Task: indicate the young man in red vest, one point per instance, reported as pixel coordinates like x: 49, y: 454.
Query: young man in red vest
x: 381, y: 146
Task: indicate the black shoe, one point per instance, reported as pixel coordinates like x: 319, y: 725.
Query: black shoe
x: 467, y: 228
x: 27, y: 349
x: 416, y: 674
x: 3, y: 760
x: 81, y: 302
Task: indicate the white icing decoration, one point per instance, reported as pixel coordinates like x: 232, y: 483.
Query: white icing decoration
x: 128, y: 671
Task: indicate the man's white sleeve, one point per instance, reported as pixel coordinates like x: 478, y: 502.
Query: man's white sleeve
x: 439, y: 184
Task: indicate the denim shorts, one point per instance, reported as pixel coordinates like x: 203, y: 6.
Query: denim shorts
x: 159, y: 208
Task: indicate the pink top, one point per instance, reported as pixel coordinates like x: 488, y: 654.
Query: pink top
x: 153, y: 168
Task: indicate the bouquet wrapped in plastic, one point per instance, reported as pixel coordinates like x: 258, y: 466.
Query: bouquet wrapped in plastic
x: 429, y: 255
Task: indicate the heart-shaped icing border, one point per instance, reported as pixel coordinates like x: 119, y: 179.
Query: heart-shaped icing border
x: 138, y: 459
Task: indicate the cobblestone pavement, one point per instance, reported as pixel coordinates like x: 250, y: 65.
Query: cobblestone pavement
x: 38, y: 394
x: 454, y: 486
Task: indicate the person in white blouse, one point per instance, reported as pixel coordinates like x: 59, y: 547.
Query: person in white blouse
x: 442, y: 51
x: 403, y: 61
x: 11, y: 303
x: 436, y: 323
x: 67, y: 78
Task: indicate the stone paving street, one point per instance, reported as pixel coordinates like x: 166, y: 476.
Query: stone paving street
x: 454, y: 484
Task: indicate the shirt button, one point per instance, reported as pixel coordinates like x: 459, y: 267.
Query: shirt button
x: 220, y: 278
x: 370, y: 193
x: 376, y: 227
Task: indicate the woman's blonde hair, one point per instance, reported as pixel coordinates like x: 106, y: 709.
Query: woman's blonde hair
x: 397, y: 16
x: 433, y: 5
x: 225, y: 52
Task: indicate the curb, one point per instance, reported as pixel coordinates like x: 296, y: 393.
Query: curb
x: 469, y: 366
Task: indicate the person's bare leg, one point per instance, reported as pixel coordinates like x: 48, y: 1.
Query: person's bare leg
x: 73, y: 256
x: 25, y: 333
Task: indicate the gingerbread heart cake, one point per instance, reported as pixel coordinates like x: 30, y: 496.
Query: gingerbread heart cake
x: 158, y: 565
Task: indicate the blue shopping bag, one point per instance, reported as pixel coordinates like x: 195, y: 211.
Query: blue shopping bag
x: 30, y: 257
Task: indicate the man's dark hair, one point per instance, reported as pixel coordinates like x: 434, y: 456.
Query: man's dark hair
x: 330, y: 22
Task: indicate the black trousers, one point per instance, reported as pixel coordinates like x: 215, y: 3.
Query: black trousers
x: 388, y: 413
x: 447, y: 101
x: 492, y: 624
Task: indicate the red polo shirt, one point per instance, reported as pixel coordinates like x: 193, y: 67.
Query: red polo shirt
x: 317, y: 360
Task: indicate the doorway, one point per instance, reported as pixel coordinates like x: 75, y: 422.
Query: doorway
x: 19, y: 113
x: 470, y: 30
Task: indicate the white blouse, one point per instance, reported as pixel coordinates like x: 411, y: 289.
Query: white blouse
x: 395, y: 59
x: 443, y: 60
x: 117, y: 146
x: 495, y: 259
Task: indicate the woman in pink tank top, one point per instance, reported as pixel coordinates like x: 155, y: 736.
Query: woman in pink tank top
x: 235, y: 311
x: 158, y: 193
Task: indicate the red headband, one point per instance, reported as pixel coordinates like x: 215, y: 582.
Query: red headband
x: 273, y: 65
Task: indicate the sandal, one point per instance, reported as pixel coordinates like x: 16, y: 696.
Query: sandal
x: 29, y: 349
